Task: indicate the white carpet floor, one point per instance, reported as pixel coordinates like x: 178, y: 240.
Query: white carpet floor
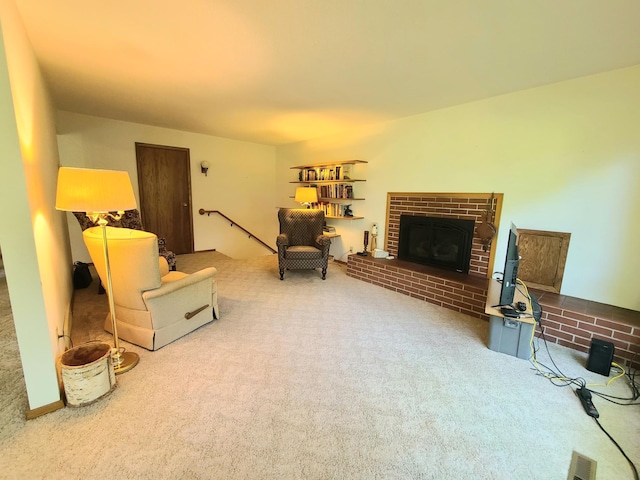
x: 312, y: 379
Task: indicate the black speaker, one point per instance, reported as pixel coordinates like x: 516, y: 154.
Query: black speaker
x: 600, y: 357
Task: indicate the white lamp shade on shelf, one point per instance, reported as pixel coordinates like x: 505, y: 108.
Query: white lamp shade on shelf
x: 94, y: 190
x: 306, y: 195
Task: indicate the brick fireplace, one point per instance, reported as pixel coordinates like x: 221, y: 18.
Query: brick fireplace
x: 461, y: 206
x: 464, y: 293
x: 568, y: 321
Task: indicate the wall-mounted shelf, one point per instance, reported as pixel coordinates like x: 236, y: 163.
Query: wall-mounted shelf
x: 351, y: 180
x: 334, y: 181
x: 329, y: 164
x: 331, y: 199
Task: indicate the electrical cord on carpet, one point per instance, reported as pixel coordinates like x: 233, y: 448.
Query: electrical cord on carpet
x: 551, y: 374
x: 555, y: 376
x: 633, y: 467
x: 633, y: 385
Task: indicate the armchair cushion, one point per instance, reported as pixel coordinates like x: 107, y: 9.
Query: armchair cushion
x: 302, y: 252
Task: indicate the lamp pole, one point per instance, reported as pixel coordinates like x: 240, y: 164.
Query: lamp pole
x: 122, y: 361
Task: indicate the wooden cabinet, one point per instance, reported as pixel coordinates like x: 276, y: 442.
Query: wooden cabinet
x: 335, y: 183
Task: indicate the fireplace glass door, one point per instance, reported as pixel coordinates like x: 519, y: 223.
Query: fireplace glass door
x: 439, y: 242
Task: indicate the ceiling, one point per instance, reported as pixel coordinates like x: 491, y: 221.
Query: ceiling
x: 281, y: 71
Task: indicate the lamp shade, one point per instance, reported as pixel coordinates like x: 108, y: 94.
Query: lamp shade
x: 93, y: 190
x: 306, y: 195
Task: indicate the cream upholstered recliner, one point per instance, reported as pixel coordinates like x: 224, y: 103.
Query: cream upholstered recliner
x: 151, y: 303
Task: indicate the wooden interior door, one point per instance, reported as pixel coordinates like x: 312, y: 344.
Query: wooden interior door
x: 164, y: 183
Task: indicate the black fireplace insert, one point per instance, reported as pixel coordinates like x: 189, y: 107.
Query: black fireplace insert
x: 435, y: 241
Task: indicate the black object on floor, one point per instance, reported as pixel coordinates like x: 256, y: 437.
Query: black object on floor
x: 600, y: 357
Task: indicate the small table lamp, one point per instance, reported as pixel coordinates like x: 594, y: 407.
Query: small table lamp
x: 306, y: 196
x: 99, y: 192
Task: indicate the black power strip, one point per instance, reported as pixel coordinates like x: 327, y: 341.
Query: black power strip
x: 584, y: 394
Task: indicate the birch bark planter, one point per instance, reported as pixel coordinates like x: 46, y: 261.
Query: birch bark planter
x: 87, y: 373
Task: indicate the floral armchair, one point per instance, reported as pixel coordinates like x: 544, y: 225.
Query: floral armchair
x: 130, y: 219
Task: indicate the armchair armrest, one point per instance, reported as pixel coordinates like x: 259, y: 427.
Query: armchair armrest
x: 282, y: 242
x: 282, y: 239
x: 324, y: 243
x: 180, y: 283
x: 323, y: 240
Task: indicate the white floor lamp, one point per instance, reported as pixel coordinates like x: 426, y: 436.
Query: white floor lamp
x: 98, y: 193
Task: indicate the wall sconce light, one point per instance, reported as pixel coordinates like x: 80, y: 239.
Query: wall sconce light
x: 204, y: 167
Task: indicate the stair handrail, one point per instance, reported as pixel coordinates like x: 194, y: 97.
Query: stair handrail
x: 202, y: 211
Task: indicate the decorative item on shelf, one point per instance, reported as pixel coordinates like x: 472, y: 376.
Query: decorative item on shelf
x: 487, y: 230
x: 374, y: 237
x: 364, y: 252
x: 99, y: 192
x: 378, y: 253
x: 306, y: 196
x: 204, y: 167
x: 347, y: 211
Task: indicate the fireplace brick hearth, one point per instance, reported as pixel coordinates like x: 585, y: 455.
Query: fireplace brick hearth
x: 568, y: 321
x: 456, y: 291
x: 464, y: 293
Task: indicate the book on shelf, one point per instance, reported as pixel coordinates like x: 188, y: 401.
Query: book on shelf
x: 337, y: 173
x: 337, y: 190
x: 330, y: 209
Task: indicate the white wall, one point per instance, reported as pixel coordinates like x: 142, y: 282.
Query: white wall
x: 240, y: 182
x: 32, y: 233
x: 566, y: 157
